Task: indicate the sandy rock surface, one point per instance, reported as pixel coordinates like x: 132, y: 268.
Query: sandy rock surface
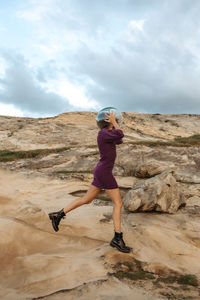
x: 77, y: 132
x: 33, y: 255
x: 76, y: 261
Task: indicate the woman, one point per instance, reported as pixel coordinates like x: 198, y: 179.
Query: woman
x: 109, y: 135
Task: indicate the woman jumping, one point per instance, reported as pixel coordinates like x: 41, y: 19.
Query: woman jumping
x: 109, y: 135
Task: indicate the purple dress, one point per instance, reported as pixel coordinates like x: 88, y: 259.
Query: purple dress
x: 107, y: 140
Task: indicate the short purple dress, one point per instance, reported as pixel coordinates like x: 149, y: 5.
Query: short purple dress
x: 107, y: 140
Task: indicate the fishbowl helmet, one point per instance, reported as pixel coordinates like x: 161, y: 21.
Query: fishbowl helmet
x: 107, y: 110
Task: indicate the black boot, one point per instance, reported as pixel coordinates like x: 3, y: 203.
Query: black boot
x: 118, y: 243
x: 55, y: 217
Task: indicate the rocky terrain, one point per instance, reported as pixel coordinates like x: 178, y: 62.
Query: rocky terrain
x: 46, y: 163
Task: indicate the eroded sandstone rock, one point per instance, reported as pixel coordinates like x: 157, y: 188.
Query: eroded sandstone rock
x: 151, y: 168
x: 160, y: 193
x: 32, y: 254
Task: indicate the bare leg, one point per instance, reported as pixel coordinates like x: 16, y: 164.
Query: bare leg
x: 92, y: 192
x: 115, y: 196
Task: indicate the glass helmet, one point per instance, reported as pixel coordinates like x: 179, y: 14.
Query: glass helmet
x: 107, y: 110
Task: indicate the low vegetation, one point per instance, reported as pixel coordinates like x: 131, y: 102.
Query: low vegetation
x: 133, y: 275
x: 134, y: 271
x: 171, y: 287
x: 190, y: 141
x: 73, y: 171
x: 187, y: 182
x: 182, y: 279
x: 6, y: 155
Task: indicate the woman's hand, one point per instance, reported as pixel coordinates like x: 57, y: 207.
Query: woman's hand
x: 111, y: 117
x: 112, y: 120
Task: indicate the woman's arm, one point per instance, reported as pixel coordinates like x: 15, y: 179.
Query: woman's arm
x: 114, y: 135
x: 119, y: 142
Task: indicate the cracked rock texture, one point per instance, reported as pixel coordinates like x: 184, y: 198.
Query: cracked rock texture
x: 160, y: 193
x: 74, y: 262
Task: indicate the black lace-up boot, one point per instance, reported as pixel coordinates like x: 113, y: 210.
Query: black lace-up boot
x: 55, y: 217
x: 118, y: 243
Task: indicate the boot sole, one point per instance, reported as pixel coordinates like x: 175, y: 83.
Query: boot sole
x: 116, y: 246
x: 53, y: 223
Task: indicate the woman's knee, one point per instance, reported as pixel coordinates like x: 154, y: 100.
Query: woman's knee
x: 91, y: 194
x: 118, y: 202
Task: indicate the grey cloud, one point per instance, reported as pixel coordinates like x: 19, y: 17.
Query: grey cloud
x: 20, y: 88
x: 157, y: 71
x: 85, y: 18
x: 136, y: 85
x: 152, y: 71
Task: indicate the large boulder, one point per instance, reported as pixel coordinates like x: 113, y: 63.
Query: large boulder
x: 160, y: 193
x: 151, y: 168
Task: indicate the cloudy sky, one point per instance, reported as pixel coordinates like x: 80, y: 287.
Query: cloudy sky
x: 68, y: 55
